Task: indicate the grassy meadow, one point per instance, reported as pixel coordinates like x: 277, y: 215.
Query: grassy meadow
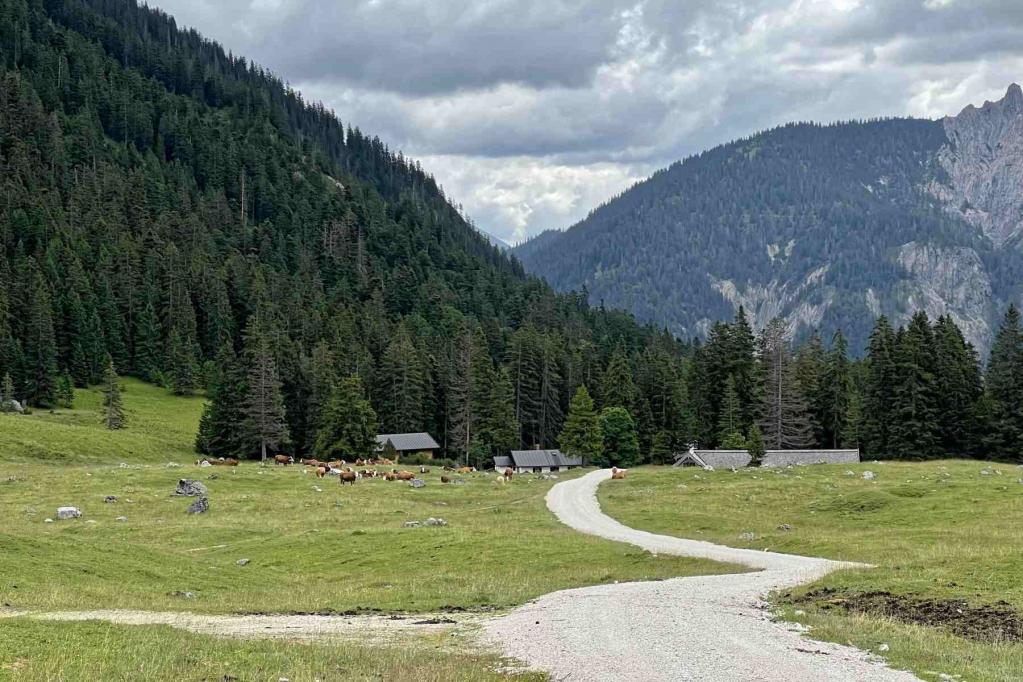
x: 946, y: 540
x: 312, y: 546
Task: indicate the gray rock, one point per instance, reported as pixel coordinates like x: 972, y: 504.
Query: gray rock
x: 91, y: 522
x: 187, y: 488
x: 242, y: 562
x: 411, y: 524
x: 121, y: 518
x: 51, y: 520
x: 200, y: 506
x: 68, y: 513
x: 212, y: 477
x: 12, y: 405
x: 785, y: 526
x: 986, y: 472
x: 868, y: 475
x: 748, y: 537
x: 110, y: 499
x: 204, y: 463
x: 317, y: 488
x: 172, y: 465
x: 180, y: 593
x: 436, y: 522
x: 459, y: 481
x: 850, y: 473
x: 417, y: 483
x: 122, y: 465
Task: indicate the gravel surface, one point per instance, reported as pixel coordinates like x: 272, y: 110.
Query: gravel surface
x: 700, y: 628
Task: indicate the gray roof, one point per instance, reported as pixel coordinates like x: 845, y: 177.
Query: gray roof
x: 544, y: 458
x: 403, y: 442
x: 502, y: 462
x: 781, y: 458
x: 718, y: 459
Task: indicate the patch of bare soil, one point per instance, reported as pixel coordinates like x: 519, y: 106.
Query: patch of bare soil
x: 997, y: 622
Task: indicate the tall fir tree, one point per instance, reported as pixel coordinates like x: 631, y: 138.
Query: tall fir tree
x: 914, y: 406
x: 785, y: 422
x: 266, y: 421
x: 835, y: 392
x: 349, y: 424
x: 401, y: 387
x: 581, y: 435
x: 1004, y: 383
x: 113, y: 407
x: 40, y: 353
x: 621, y: 444
x: 878, y: 389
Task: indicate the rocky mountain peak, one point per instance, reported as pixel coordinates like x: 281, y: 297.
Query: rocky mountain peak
x: 984, y: 164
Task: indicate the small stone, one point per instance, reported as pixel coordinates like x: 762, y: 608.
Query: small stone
x: 200, y: 506
x: 317, y: 488
x: 283, y: 679
x: 411, y: 524
x: 121, y: 518
x: 868, y: 475
x: 748, y: 537
x: 850, y: 473
x: 183, y: 595
x: 986, y: 472
x: 172, y: 465
x: 785, y: 526
x: 48, y: 521
x: 212, y: 477
x: 68, y: 513
x: 242, y: 562
x: 799, y: 612
x: 187, y: 488
x: 91, y: 521
x: 417, y: 483
x: 459, y: 481
x: 883, y: 647
x: 436, y: 522
x: 110, y: 499
x: 122, y: 465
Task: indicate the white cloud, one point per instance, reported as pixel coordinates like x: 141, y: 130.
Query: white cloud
x: 532, y: 112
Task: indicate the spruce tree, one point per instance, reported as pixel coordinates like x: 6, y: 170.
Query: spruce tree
x: 498, y: 432
x: 755, y: 445
x: 65, y: 391
x: 581, y: 435
x: 878, y: 390
x: 785, y: 422
x: 401, y: 387
x: 618, y: 388
x: 146, y: 362
x: 621, y: 445
x: 1004, y: 382
x: 729, y: 436
x: 914, y: 406
x: 7, y: 393
x: 183, y: 369
x: 266, y: 421
x: 113, y: 409
x: 834, y: 393
x: 808, y: 369
x: 40, y: 352
x: 349, y: 426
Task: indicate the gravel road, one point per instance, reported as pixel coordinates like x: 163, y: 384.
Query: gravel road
x: 704, y: 628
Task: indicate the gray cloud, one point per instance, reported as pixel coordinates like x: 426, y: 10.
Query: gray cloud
x: 531, y: 112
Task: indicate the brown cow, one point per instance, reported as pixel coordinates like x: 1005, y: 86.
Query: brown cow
x: 368, y: 473
x: 348, y: 477
x: 321, y: 471
x: 336, y: 464
x: 508, y: 473
x: 283, y: 460
x: 465, y: 470
x: 404, y: 475
x: 390, y: 476
x: 445, y: 479
x: 617, y: 474
x: 312, y: 462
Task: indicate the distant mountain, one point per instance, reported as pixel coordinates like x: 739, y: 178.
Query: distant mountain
x: 497, y: 242
x: 826, y: 226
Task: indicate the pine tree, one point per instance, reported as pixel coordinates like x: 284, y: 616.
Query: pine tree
x: 401, y: 387
x: 730, y: 418
x: 113, y: 409
x: 835, y: 390
x: 184, y: 371
x: 266, y: 421
x: 879, y: 382
x: 958, y: 388
x: 914, y: 406
x: 785, y: 423
x: 349, y: 423
x: 621, y: 445
x: 618, y: 388
x: 223, y: 427
x: 7, y: 393
x: 581, y: 435
x: 498, y: 432
x: 741, y: 365
x: 40, y: 353
x: 1004, y: 383
x: 65, y: 391
x: 852, y: 426
x: 808, y: 369
x: 755, y: 445
x: 146, y: 362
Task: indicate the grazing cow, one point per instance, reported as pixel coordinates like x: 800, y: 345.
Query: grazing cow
x: 312, y: 462
x: 449, y: 468
x: 445, y: 479
x: 221, y: 462
x: 617, y: 474
x: 336, y: 464
x: 390, y: 476
x: 382, y: 461
x: 404, y: 475
x: 368, y: 473
x: 283, y: 460
x: 321, y: 471
x: 348, y: 477
x: 508, y: 473
x: 423, y: 470
x: 465, y: 470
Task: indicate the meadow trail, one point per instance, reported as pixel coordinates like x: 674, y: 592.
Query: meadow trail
x: 697, y: 628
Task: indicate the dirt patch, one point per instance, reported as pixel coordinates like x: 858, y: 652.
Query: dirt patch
x: 997, y: 622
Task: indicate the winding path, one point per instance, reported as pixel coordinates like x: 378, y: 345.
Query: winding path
x: 704, y: 628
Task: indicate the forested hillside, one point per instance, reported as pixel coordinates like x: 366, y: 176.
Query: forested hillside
x: 183, y: 212
x: 827, y: 226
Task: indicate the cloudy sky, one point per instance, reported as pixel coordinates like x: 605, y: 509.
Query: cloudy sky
x: 531, y: 112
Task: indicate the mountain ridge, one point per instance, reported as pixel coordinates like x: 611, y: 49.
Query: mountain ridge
x: 827, y: 226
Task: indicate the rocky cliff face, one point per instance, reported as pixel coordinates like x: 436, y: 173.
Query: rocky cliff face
x: 983, y: 161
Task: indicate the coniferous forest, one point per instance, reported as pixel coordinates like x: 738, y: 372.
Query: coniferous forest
x: 172, y: 212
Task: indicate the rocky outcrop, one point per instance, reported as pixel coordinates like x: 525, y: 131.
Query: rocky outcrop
x: 983, y: 164
x: 801, y: 304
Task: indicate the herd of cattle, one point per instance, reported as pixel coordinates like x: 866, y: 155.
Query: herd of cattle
x: 348, y: 474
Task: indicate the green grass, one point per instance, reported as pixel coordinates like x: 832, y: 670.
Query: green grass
x: 936, y: 530
x: 47, y: 651
x: 161, y: 428
x: 329, y: 550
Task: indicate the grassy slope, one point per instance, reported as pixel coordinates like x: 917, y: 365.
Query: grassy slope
x: 936, y: 530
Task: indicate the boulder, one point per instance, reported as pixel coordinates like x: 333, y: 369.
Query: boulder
x: 68, y: 513
x: 200, y: 506
x: 410, y: 524
x: 187, y: 488
x: 436, y: 522
x: 417, y: 483
x: 242, y: 562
